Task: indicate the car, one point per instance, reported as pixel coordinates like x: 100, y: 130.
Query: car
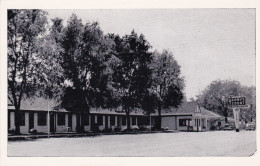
x: 250, y: 126
x: 228, y: 127
x: 166, y: 130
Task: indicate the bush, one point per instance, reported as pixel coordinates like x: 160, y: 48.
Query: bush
x: 11, y: 131
x: 95, y: 128
x: 33, y: 131
x: 117, y: 129
x: 80, y: 129
x: 107, y: 130
x: 213, y: 128
x: 143, y: 128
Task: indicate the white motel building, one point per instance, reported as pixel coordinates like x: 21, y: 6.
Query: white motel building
x: 40, y: 114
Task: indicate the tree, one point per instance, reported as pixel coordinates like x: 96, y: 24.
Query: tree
x: 214, y: 97
x: 50, y: 78
x: 250, y: 95
x: 167, y: 84
x: 25, y: 28
x: 131, y: 75
x: 85, y: 55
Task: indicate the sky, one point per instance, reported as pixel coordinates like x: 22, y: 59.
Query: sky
x: 209, y: 44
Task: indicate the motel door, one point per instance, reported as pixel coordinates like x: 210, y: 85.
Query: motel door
x: 52, y: 122
x: 106, y: 122
x: 70, y: 121
x: 197, y: 124
x: 92, y: 122
x: 31, y: 120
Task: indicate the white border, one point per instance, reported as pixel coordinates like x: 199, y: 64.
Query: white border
x: 111, y: 4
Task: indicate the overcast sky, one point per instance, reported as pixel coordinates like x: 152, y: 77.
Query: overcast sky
x: 209, y: 44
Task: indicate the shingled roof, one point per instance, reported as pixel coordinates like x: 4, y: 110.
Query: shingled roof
x: 37, y: 104
x: 41, y: 104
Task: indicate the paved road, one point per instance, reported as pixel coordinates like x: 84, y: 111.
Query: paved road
x: 218, y: 143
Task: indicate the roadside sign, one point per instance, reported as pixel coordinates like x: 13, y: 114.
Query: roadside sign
x: 236, y: 112
x: 237, y: 102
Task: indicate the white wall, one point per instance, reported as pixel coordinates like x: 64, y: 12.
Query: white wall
x: 43, y: 129
x: 24, y: 129
x: 169, y: 122
x: 108, y: 121
x: 102, y: 127
x: 74, y: 122
x: 87, y: 128
x: 12, y: 125
x: 62, y: 128
x: 200, y: 127
x: 182, y: 127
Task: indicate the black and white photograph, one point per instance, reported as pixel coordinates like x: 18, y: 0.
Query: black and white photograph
x: 145, y: 82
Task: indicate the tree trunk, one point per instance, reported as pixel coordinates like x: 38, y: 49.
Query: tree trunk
x: 128, y: 118
x: 225, y: 113
x: 17, y: 120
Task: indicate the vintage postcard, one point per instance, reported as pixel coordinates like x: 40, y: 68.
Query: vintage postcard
x: 129, y: 82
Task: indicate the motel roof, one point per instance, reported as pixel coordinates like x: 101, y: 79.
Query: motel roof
x: 41, y: 104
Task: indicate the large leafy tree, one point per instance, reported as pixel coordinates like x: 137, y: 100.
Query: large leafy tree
x: 25, y: 28
x: 131, y: 74
x: 215, y: 96
x: 167, y: 83
x: 48, y: 65
x: 250, y: 95
x: 85, y: 56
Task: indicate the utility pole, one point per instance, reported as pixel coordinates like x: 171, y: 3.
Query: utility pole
x: 48, y: 120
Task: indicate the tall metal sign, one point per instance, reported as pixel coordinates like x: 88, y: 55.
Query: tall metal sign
x: 237, y: 102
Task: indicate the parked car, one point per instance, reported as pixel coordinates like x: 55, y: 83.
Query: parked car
x: 250, y: 126
x: 228, y: 127
x: 166, y: 129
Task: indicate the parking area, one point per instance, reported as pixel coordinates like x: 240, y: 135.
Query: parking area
x: 217, y: 143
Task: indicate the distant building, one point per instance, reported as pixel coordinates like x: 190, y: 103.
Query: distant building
x: 35, y: 116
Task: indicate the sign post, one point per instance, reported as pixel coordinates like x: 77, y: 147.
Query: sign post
x: 236, y: 112
x: 237, y: 102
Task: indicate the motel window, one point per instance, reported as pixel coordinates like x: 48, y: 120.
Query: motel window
x: 184, y: 122
x: 100, y: 120
x: 61, y: 119
x: 42, y: 119
x: 123, y: 120
x: 85, y: 119
x: 112, y: 120
x: 134, y: 120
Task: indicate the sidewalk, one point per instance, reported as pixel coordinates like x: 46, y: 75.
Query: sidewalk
x: 73, y: 134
